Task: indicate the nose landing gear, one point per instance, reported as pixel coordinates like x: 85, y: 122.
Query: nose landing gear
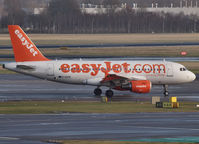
x: 166, y: 92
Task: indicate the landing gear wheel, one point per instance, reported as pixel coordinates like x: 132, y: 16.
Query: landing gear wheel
x: 109, y: 93
x: 166, y: 92
x: 97, y: 91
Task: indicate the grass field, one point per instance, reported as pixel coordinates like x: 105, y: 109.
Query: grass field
x: 54, y: 39
x: 38, y: 107
x: 109, y: 142
x: 118, y: 51
x: 105, y: 38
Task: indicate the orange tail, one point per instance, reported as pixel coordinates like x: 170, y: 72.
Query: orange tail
x: 24, y: 49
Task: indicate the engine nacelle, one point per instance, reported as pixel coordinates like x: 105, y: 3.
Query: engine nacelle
x: 139, y: 86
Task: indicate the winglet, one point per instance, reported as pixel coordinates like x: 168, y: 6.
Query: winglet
x: 24, y: 49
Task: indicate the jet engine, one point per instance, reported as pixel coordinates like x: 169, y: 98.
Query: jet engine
x: 139, y: 86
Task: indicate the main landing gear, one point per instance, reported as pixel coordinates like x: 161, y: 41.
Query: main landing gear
x: 109, y: 93
x: 166, y: 92
x: 98, y: 92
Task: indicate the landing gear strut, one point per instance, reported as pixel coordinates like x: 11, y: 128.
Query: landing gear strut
x: 109, y: 93
x: 166, y: 92
x: 98, y: 92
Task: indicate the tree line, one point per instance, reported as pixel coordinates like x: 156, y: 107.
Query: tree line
x: 65, y: 16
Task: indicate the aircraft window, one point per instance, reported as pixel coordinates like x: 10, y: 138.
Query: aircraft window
x: 182, y: 69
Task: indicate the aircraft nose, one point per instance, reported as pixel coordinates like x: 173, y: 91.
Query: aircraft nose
x: 191, y: 76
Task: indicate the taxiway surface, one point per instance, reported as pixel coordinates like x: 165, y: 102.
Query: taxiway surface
x: 33, y: 129
x: 29, y: 129
x: 21, y: 87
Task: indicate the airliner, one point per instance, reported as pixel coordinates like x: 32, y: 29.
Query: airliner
x: 134, y: 76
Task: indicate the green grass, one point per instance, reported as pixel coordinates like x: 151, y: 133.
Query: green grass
x: 41, y: 107
x: 162, y: 51
x: 108, y: 142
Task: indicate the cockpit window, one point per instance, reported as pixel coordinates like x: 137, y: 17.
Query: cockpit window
x: 183, y: 69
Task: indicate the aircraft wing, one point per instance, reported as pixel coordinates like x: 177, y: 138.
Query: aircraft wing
x: 118, y: 79
x: 111, y: 77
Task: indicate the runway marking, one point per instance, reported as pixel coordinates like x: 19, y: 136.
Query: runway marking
x: 8, y: 138
x: 167, y: 128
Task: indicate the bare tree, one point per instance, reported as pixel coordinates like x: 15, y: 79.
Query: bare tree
x: 15, y: 14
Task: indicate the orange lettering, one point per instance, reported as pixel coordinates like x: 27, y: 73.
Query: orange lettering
x: 117, y: 68
x: 107, y: 69
x: 158, y: 66
x: 85, y: 68
x: 125, y: 66
x: 137, y: 68
x: 65, y: 68
x: 146, y: 66
x: 75, y: 68
x: 95, y: 69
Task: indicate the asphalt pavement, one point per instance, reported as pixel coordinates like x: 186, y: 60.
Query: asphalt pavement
x: 29, y: 129
x: 22, y: 87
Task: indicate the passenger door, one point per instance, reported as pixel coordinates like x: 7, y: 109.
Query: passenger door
x: 169, y: 70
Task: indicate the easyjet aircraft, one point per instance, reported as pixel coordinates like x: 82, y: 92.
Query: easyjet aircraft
x: 136, y: 76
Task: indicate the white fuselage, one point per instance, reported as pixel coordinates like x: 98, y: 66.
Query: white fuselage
x: 92, y: 72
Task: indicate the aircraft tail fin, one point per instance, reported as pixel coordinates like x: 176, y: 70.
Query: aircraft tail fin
x: 24, y: 49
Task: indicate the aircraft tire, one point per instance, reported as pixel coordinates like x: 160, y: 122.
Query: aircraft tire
x: 109, y: 93
x: 166, y: 93
x: 97, y: 91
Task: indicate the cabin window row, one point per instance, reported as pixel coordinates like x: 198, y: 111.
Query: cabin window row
x: 113, y: 69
